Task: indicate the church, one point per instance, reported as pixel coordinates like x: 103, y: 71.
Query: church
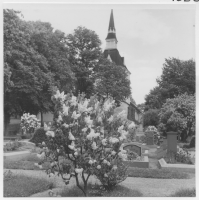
x: 111, y: 52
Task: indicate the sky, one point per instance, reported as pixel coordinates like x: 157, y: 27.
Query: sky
x: 147, y: 34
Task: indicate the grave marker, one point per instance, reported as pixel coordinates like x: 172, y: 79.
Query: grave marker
x: 134, y: 148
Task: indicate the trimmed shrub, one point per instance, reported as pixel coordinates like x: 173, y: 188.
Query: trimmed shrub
x: 39, y: 136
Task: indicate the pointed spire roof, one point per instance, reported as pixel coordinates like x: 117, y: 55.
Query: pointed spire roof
x: 111, y: 22
x: 111, y: 28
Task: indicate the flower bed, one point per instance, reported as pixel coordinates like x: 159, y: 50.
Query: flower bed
x: 143, y: 162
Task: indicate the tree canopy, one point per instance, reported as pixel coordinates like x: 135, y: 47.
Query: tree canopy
x: 111, y: 80
x: 32, y: 65
x: 178, y: 114
x: 85, y: 51
x: 178, y: 77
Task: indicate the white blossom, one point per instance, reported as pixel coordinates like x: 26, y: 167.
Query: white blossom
x: 99, y: 167
x: 90, y: 162
x: 41, y: 156
x: 71, y: 137
x: 113, y: 140
x: 75, y: 115
x: 94, y: 146
x: 40, y: 166
x: 50, y: 133
x: 110, y: 119
x: 114, y: 167
x: 113, y: 153
x: 132, y: 125
x: 65, y: 110
x: 84, y: 129
x: 76, y: 153
x: 59, y: 119
x: 105, y: 175
x: 88, y: 121
x: 65, y: 125
x: 78, y: 171
x: 105, y: 161
x: 104, y: 142
x: 73, y: 101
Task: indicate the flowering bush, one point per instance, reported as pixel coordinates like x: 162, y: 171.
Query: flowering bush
x: 151, y: 128
x: 84, y: 140
x: 29, y: 123
x: 182, y: 156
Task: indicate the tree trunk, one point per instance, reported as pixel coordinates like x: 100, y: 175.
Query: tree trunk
x: 6, y: 123
x: 42, y: 119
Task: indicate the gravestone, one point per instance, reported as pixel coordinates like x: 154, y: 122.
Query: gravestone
x: 150, y: 137
x: 172, y: 141
x: 134, y: 148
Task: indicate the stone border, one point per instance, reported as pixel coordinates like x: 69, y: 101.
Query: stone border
x: 141, y: 164
x: 180, y: 167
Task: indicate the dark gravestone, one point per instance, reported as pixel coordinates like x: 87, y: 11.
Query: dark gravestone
x: 134, y: 148
x: 149, y: 138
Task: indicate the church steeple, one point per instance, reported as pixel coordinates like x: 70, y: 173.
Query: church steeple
x: 111, y: 23
x: 111, y: 40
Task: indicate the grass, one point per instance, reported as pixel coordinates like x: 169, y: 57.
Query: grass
x: 156, y: 173
x: 23, y: 186
x: 26, y: 163
x: 185, y: 193
x: 95, y: 191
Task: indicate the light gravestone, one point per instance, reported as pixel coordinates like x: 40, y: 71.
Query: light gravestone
x: 134, y: 148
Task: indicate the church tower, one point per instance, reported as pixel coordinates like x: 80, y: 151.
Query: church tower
x: 111, y: 52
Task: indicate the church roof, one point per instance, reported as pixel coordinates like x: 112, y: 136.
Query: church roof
x: 111, y: 28
x: 115, y: 56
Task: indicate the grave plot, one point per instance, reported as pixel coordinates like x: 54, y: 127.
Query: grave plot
x: 136, y: 157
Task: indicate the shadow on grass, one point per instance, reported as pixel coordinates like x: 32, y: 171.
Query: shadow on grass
x: 96, y: 191
x: 156, y: 173
x: 23, y: 186
x: 185, y: 193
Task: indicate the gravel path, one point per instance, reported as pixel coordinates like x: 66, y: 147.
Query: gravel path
x: 149, y: 187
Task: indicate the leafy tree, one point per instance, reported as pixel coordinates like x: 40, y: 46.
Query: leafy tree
x: 85, y: 51
x: 111, y: 80
x: 25, y: 69
x: 35, y: 61
x: 178, y: 77
x: 151, y: 118
x: 178, y: 114
x: 141, y: 106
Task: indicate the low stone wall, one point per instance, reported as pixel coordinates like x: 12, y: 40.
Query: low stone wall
x: 141, y: 164
x: 179, y: 167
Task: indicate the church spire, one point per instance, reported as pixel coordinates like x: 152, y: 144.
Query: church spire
x: 111, y: 22
x: 111, y: 39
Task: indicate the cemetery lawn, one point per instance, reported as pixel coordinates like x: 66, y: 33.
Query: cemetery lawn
x: 23, y: 186
x: 185, y: 193
x: 95, y: 191
x: 26, y: 163
x: 156, y: 173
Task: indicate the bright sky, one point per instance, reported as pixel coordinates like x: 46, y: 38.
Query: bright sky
x: 147, y: 34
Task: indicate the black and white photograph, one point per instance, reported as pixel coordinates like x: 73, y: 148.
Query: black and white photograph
x: 99, y: 99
